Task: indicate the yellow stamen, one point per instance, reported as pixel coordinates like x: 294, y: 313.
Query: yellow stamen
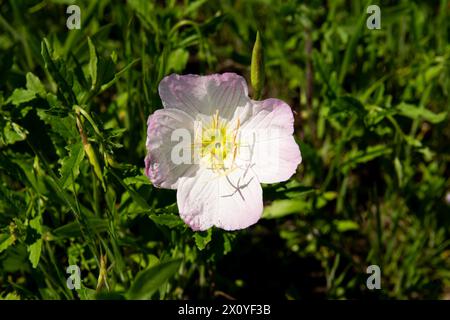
x: 219, y: 145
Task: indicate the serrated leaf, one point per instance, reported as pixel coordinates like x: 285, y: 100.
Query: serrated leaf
x: 70, y: 165
x: 12, y: 133
x: 101, y: 69
x: 35, y: 85
x: 54, y: 66
x: 168, y: 220
x: 62, y: 125
x: 202, y: 238
x: 20, y: 96
x: 148, y: 281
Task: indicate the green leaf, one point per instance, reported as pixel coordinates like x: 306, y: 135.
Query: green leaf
x: 350, y: 51
x: 35, y: 252
x: 52, y: 65
x: 5, y: 241
x: 145, y: 11
x: 137, y: 179
x: 168, y: 220
x: 228, y: 239
x: 414, y: 112
x: 105, y: 72
x: 71, y: 164
x: 348, y: 105
x: 202, y: 238
x: 63, y: 126
x: 362, y: 156
x: 12, y: 132
x: 346, y: 225
x: 36, y: 224
x: 281, y: 208
x: 136, y: 196
x: 10, y: 296
x: 194, y: 6
x: 86, y: 293
x: 20, y: 96
x: 101, y: 69
x: 148, y: 281
x: 323, y: 70
x: 177, y: 60
x: 212, y: 25
x: 118, y: 75
x: 72, y: 229
x: 35, y: 85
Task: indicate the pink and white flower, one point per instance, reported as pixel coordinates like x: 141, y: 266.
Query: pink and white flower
x: 216, y: 146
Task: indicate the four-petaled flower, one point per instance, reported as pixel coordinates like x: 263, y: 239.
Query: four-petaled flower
x: 216, y: 146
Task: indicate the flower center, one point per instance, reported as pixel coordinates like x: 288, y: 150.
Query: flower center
x: 218, y: 146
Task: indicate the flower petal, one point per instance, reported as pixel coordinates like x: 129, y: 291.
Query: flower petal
x: 159, y: 165
x: 229, y: 202
x: 196, y: 94
x: 266, y: 141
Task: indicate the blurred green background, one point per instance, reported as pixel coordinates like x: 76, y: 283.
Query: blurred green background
x: 372, y: 115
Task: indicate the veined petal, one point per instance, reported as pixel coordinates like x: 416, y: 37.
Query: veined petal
x: 196, y: 94
x: 229, y: 202
x: 161, y: 142
x: 266, y: 141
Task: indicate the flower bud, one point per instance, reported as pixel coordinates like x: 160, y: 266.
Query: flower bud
x: 257, y: 68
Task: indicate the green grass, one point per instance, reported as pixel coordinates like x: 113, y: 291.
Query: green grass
x: 372, y: 115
